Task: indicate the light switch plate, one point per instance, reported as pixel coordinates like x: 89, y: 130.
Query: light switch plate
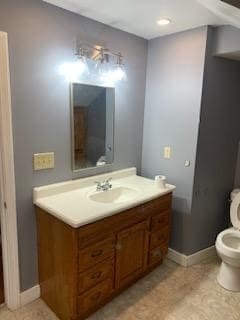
x: 167, y: 152
x: 43, y: 161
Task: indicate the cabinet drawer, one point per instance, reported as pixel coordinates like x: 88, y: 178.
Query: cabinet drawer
x: 96, y: 253
x: 160, y: 220
x: 159, y: 205
x: 158, y: 237
x: 156, y: 255
x: 94, y: 297
x: 97, y: 274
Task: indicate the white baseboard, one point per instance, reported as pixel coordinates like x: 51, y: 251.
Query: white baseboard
x: 187, y: 261
x: 29, y: 295
x: 177, y: 257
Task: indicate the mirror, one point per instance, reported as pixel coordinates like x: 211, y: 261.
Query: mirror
x: 92, y: 109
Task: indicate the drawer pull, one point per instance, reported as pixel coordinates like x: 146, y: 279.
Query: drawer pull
x: 157, y: 254
x: 96, y: 296
x: 160, y: 238
x: 96, y: 253
x: 96, y: 275
x: 161, y: 220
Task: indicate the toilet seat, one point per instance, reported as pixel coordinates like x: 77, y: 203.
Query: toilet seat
x: 228, y: 242
x: 235, y: 212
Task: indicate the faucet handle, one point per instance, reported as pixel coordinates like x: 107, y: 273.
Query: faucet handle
x: 107, y: 182
x: 99, y: 184
x: 108, y: 179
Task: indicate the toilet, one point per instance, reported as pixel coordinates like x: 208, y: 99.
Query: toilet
x: 228, y: 248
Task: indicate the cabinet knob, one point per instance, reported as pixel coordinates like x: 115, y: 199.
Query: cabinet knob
x: 118, y: 246
x: 96, y: 253
x: 96, y: 296
x: 96, y: 275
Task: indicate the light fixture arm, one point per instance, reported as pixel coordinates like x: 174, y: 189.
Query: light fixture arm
x: 100, y: 53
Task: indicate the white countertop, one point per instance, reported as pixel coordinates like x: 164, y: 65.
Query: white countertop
x: 69, y: 201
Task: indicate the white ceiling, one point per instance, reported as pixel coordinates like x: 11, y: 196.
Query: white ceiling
x: 139, y: 16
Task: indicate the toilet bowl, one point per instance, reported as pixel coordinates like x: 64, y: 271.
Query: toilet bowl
x: 228, y: 249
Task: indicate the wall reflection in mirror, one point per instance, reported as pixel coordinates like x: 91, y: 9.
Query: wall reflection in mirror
x: 92, y: 125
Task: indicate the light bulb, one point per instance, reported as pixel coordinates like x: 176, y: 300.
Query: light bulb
x: 111, y: 76
x: 119, y: 73
x: 73, y: 70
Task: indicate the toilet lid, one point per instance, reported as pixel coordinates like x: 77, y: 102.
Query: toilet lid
x: 235, y: 211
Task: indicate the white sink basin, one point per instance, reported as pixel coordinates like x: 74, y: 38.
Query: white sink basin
x: 116, y: 195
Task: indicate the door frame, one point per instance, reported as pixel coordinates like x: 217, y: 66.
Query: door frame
x: 8, y: 210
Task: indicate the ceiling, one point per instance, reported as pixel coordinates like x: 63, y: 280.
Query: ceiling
x: 139, y: 16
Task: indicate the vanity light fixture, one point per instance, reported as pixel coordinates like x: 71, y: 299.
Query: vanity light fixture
x: 74, y: 70
x: 115, y: 73
x: 108, y: 64
x: 109, y: 67
x: 119, y: 68
x: 81, y: 57
x: 164, y: 22
x: 101, y: 60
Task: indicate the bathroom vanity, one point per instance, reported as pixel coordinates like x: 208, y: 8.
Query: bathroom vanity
x: 90, y: 253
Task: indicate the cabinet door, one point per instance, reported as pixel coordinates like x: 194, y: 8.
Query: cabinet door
x: 131, y: 257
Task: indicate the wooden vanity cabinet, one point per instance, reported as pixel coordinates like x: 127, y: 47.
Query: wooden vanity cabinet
x: 82, y: 269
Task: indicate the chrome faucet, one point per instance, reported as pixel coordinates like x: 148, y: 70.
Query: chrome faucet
x: 104, y: 185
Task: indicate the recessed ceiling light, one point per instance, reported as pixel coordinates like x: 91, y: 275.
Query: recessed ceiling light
x: 164, y: 22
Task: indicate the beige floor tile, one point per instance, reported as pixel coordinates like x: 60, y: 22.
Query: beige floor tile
x: 35, y: 311
x: 5, y: 314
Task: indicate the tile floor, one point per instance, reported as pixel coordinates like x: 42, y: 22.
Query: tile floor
x: 169, y: 293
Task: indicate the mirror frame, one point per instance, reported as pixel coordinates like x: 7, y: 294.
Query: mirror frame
x: 72, y: 128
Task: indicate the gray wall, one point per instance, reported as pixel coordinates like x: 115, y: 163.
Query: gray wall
x: 237, y: 172
x: 173, y: 99
x: 227, y: 42
x: 192, y: 105
x: 41, y: 38
x: 219, y: 135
